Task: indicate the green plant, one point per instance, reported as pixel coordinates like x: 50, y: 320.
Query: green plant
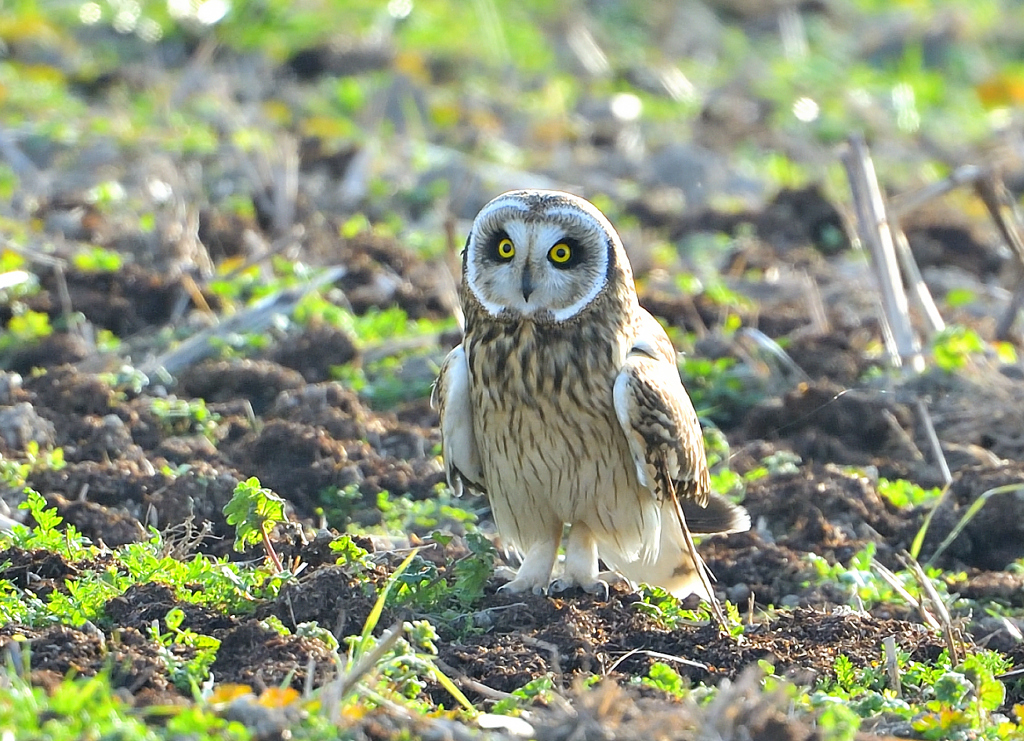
x: 964, y: 520
x: 903, y: 493
x: 85, y: 599
x: 75, y: 709
x: 539, y: 688
x: 349, y: 553
x: 448, y: 592
x: 186, y: 416
x: 97, y: 260
x: 254, y: 511
x: 666, y: 609
x: 953, y: 347
x: 720, y: 388
x: 25, y: 327
x: 14, y: 472
x: 421, y: 516
x: 941, y: 700
x: 396, y: 657
x: 187, y: 672
x: 45, y: 534
x: 663, y: 677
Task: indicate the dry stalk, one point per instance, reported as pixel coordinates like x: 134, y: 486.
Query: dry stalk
x: 343, y: 686
x: 262, y: 251
x: 774, y: 350
x: 948, y: 632
x: 815, y: 305
x: 655, y: 655
x: 471, y: 684
x: 30, y: 175
x: 873, y: 226
x: 253, y: 319
x: 1004, y: 212
x: 553, y: 652
x: 892, y: 667
x: 893, y: 581
x: 933, y: 440
x: 904, y: 203
x: 918, y: 288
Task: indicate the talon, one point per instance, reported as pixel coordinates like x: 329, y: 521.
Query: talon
x: 599, y: 589
x: 518, y: 587
x: 560, y: 585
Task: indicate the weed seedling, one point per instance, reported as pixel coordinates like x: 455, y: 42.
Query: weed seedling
x: 254, y: 511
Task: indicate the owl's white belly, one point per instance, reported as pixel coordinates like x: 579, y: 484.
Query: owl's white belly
x: 546, y: 466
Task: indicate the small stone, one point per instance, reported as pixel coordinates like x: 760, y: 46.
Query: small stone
x: 738, y: 594
x: 10, y: 384
x: 20, y: 425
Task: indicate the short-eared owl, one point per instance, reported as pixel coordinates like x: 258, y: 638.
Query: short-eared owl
x: 563, y: 403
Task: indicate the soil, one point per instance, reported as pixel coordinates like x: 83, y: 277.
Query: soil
x: 281, y: 418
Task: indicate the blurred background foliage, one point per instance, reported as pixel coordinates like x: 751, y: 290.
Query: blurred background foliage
x: 768, y: 87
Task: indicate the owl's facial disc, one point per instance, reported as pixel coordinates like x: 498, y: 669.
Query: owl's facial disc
x: 547, y: 263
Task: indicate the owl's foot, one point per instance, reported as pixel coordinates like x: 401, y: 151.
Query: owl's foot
x: 580, y: 568
x: 517, y: 587
x: 535, y: 572
x: 598, y: 587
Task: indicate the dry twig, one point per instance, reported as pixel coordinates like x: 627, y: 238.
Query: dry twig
x: 874, y: 229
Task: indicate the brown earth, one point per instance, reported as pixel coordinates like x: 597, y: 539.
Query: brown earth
x: 330, y: 452
x: 281, y: 419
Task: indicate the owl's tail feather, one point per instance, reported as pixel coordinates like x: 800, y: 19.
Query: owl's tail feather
x: 703, y: 573
x: 720, y: 516
x: 670, y: 565
x: 676, y: 566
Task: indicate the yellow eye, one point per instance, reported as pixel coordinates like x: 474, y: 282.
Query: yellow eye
x: 506, y: 250
x: 560, y: 253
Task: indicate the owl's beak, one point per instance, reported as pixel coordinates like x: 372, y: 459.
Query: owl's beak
x: 527, y: 283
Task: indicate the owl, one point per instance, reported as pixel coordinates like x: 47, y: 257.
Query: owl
x: 564, y: 405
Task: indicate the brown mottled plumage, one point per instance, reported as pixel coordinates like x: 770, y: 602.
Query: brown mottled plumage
x: 564, y: 405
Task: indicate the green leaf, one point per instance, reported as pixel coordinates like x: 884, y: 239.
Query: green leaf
x: 838, y: 723
x: 378, y: 607
x: 951, y: 689
x: 252, y: 510
x: 174, y: 618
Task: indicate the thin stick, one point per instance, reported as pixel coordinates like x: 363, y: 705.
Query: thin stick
x: 22, y: 165
x: 702, y: 569
x: 893, y: 581
x: 933, y: 440
x: 892, y: 667
x: 815, y: 306
x: 1006, y: 321
x: 918, y: 288
x: 774, y: 349
x: 655, y: 655
x: 939, y: 606
x: 903, y: 204
x: 873, y: 227
x: 252, y: 319
x: 368, y: 660
x: 551, y: 648
x: 471, y: 684
x: 1004, y: 212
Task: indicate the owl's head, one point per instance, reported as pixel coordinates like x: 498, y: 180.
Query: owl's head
x: 542, y: 254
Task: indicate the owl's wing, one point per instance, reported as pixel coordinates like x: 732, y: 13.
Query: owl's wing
x: 451, y: 398
x: 665, y: 438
